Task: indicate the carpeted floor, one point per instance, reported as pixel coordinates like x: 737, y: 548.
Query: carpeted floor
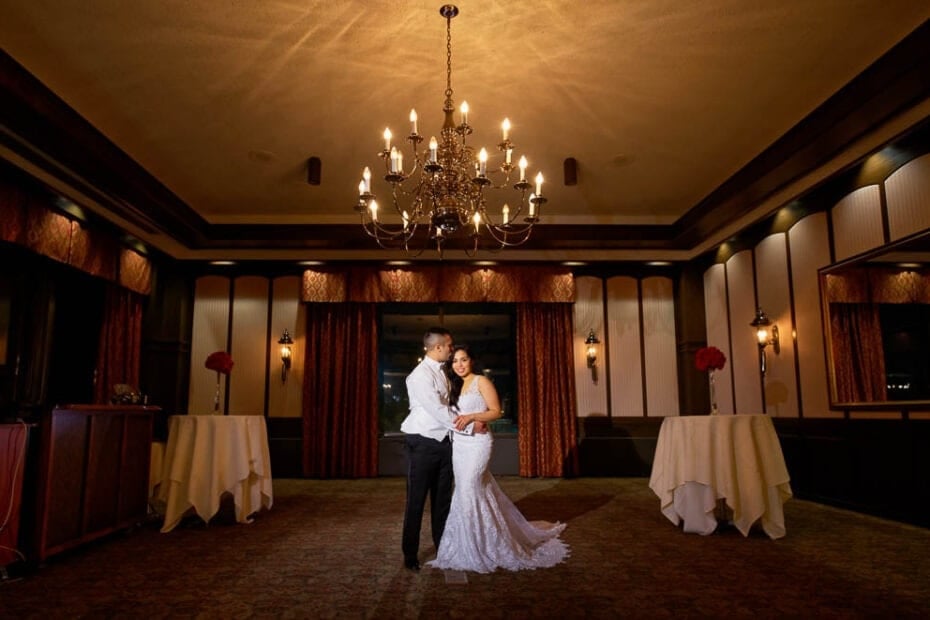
x: 331, y: 549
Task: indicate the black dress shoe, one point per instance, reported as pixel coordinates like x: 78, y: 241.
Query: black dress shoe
x: 412, y: 564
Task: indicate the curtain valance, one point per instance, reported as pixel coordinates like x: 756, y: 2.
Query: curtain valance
x: 440, y: 283
x: 880, y: 285
x: 27, y: 220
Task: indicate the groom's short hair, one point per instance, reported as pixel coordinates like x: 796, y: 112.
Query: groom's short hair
x: 433, y: 336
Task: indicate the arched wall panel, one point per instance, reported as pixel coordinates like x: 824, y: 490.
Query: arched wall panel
x: 745, y: 353
x: 589, y: 314
x: 809, y: 245
x: 284, y: 397
x: 250, y: 342
x: 907, y: 194
x: 660, y: 347
x: 210, y: 329
x: 774, y: 297
x: 718, y: 333
x: 857, y: 222
x: 626, y: 363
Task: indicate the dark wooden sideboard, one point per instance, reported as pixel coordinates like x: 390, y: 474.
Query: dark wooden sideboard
x: 14, y: 444
x: 94, y: 473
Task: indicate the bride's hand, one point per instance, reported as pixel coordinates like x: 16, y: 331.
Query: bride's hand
x: 462, y: 421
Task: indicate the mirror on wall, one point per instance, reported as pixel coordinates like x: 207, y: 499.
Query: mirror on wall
x: 877, y: 326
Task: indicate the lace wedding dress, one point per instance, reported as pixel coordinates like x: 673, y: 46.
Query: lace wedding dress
x: 485, y: 531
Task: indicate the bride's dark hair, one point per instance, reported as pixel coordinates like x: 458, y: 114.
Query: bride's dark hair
x: 456, y: 382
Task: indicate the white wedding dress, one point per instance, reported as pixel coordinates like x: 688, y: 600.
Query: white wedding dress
x: 485, y: 531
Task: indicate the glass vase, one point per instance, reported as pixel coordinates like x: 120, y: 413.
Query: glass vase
x: 216, y: 395
x: 713, y: 395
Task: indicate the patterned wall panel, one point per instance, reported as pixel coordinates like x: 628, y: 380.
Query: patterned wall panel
x: 47, y: 233
x: 210, y: 328
x: 781, y: 392
x: 284, y: 397
x: 744, y: 351
x: 95, y: 252
x: 589, y: 314
x: 623, y: 335
x: 810, y: 251
x: 907, y: 193
x: 718, y: 332
x: 445, y: 283
x: 135, y: 271
x: 661, y: 360
x: 250, y: 344
x: 857, y: 222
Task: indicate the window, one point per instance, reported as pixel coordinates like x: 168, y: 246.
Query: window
x: 906, y: 340
x: 488, y: 329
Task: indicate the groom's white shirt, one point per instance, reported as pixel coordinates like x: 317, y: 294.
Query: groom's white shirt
x: 428, y: 391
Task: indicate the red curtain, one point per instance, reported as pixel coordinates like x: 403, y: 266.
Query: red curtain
x: 858, y: 357
x: 13, y: 440
x: 120, y: 347
x: 548, y: 429
x: 340, y: 397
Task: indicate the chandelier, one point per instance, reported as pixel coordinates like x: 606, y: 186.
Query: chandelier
x: 442, y: 193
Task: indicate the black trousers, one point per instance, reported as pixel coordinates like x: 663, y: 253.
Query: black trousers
x: 429, y: 472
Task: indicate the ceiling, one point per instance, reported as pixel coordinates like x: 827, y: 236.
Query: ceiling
x: 189, y: 123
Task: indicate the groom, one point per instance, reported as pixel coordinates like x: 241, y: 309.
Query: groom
x: 428, y: 428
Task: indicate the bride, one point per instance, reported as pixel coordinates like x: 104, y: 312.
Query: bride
x: 485, y: 531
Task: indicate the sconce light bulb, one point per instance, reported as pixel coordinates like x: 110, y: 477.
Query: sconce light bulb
x: 763, y: 336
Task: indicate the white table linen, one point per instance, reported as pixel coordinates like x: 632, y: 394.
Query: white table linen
x: 207, y: 456
x: 700, y: 459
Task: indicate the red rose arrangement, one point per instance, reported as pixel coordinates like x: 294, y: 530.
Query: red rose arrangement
x: 220, y: 361
x: 709, y: 358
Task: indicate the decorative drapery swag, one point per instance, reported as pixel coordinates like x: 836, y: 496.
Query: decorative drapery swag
x: 26, y: 219
x: 439, y: 283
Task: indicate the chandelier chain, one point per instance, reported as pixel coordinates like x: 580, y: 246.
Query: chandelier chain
x: 449, y: 57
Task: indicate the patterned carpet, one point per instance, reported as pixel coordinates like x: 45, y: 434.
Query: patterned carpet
x: 331, y: 549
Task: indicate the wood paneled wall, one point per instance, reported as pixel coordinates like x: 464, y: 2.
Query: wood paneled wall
x: 246, y: 316
x: 637, y: 362
x: 627, y: 396
x: 210, y: 333
x: 284, y: 397
x: 779, y: 274
x: 249, y: 345
x: 807, y: 248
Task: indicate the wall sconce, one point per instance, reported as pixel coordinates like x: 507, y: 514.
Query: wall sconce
x: 591, y: 343
x: 286, y: 343
x: 766, y: 334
